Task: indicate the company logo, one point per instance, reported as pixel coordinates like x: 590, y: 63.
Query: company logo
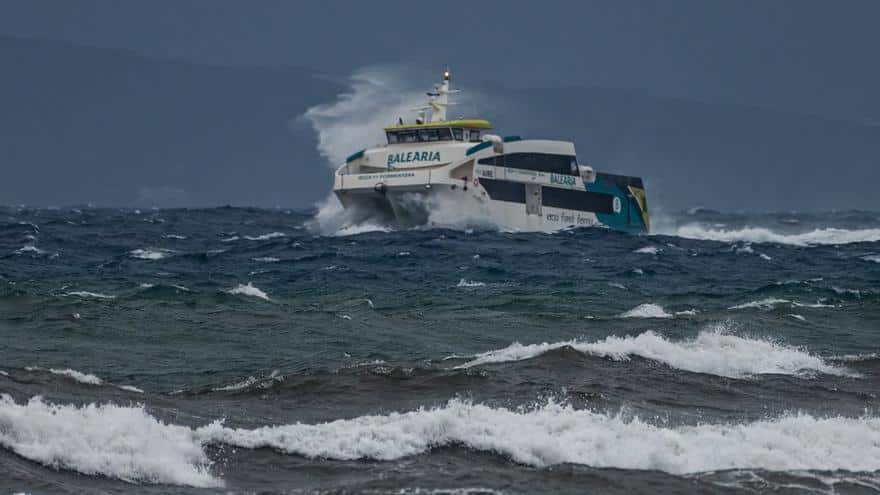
x: 566, y: 180
x: 412, y: 156
x: 615, y: 204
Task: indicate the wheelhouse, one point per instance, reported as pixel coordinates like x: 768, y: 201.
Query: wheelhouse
x: 468, y: 131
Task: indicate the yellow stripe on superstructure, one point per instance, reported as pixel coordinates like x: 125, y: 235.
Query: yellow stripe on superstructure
x: 466, y: 123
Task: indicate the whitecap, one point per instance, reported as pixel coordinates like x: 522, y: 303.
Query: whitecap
x: 768, y: 303
x: 174, y: 236
x: 470, y: 283
x: 647, y: 310
x: 130, y: 388
x: 248, y: 290
x: 150, y: 253
x: 118, y: 442
x: 764, y: 257
x: 265, y: 237
x: 796, y: 316
x: 361, y: 229
x: 76, y: 375
x: 761, y: 234
x: 267, y: 259
x: 556, y: 434
x: 95, y: 295
x: 872, y: 257
x: 649, y: 250
x: 711, y: 351
x: 274, y: 376
x: 230, y: 239
x: 687, y: 312
x: 30, y: 249
x: 772, y: 302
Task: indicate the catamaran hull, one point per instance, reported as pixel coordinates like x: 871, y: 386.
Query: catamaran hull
x: 488, y: 204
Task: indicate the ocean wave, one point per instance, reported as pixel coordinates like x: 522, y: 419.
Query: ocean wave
x: 87, y: 294
x: 772, y: 302
x: 267, y: 259
x: 150, y: 253
x: 248, y: 290
x: 654, y: 250
x: 264, y: 382
x: 470, y: 283
x: 30, y: 248
x: 265, y: 237
x: 764, y: 235
x: 872, y: 257
x: 174, y: 236
x: 555, y: 434
x: 361, y: 229
x: 119, y: 442
x: 712, y: 351
x: 647, y: 310
x: 79, y: 376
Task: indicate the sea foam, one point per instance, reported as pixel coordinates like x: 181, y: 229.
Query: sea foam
x: 248, y: 290
x: 761, y: 234
x: 124, y: 443
x: 711, y: 351
x: 150, y: 254
x: 265, y: 237
x: 554, y: 434
x: 648, y: 310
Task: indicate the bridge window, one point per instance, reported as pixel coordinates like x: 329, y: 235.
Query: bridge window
x: 475, y: 136
x: 408, y: 137
x: 444, y: 133
x: 456, y: 132
x: 426, y: 135
x: 392, y: 137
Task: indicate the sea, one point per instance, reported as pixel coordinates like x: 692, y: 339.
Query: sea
x: 240, y: 350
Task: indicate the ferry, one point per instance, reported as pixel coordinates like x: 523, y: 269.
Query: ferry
x: 458, y: 167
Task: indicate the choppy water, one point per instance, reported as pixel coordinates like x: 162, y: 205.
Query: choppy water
x: 191, y: 350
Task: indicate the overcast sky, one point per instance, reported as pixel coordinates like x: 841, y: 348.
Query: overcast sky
x: 797, y: 55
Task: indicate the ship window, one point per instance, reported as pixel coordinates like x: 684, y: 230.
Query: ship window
x: 428, y: 135
x: 539, y: 162
x: 408, y: 137
x: 457, y: 133
x: 475, y: 136
x: 497, y: 160
x: 444, y: 134
x: 392, y: 137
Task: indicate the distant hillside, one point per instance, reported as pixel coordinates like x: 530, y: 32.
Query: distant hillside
x: 80, y: 124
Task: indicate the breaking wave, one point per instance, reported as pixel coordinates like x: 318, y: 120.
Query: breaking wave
x: 150, y: 254
x: 124, y: 443
x: 760, y: 234
x: 265, y: 237
x: 648, y: 310
x: 127, y: 443
x: 93, y: 295
x: 712, y: 352
x: 554, y: 434
x: 248, y: 290
x: 79, y: 376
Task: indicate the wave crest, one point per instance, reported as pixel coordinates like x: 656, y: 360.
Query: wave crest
x: 816, y: 237
x: 555, y: 434
x: 124, y: 443
x: 712, y: 352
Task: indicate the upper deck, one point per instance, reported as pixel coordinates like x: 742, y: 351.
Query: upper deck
x: 445, y: 130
